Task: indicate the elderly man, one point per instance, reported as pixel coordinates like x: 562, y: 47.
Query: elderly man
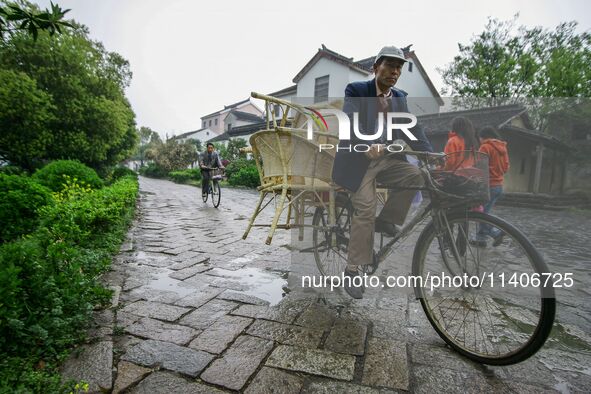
x: 360, y: 171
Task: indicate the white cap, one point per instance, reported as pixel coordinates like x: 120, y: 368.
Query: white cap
x: 391, y: 51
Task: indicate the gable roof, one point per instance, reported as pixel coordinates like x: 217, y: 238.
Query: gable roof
x: 246, y: 116
x: 188, y: 133
x: 288, y: 90
x: 366, y: 63
x: 191, y: 134
x: 324, y: 52
x: 364, y: 66
x: 226, y: 108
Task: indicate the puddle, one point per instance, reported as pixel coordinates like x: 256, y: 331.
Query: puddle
x: 165, y: 283
x: 266, y: 285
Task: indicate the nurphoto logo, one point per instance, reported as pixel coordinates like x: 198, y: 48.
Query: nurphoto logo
x: 391, y: 119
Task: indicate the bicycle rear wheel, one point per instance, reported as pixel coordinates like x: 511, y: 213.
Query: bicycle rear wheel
x: 482, y: 315
x: 216, y: 194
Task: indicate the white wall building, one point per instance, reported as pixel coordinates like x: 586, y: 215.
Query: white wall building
x: 202, y: 135
x: 215, y: 121
x: 326, y: 75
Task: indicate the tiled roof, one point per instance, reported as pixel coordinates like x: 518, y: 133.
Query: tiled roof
x: 332, y: 55
x: 241, y: 130
x: 226, y: 107
x: 499, y: 117
x: 291, y: 89
x: 240, y: 115
x: 493, y: 116
x: 188, y: 133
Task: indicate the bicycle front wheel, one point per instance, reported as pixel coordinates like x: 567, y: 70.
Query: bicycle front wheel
x: 204, y: 196
x: 484, y: 287
x: 216, y: 194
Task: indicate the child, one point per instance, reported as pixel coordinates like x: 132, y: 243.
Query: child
x: 462, y: 137
x: 498, y: 165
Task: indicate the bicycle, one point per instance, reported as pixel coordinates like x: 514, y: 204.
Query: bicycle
x: 213, y: 187
x: 488, y: 324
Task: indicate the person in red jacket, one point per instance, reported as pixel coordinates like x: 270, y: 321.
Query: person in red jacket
x: 498, y: 165
x: 461, y: 138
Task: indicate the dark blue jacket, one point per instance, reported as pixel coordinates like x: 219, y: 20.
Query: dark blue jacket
x: 349, y: 168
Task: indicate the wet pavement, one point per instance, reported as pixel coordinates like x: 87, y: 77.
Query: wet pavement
x: 202, y: 311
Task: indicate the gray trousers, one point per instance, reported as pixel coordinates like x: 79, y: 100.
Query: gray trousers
x: 391, y: 172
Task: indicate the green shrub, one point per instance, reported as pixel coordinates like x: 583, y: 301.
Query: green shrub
x: 184, y: 176
x: 246, y: 176
x: 120, y: 172
x: 153, y: 170
x: 20, y: 201
x: 12, y: 170
x: 49, y: 281
x: 236, y: 165
x: 52, y: 175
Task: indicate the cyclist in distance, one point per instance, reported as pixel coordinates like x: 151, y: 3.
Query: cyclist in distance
x: 208, y: 160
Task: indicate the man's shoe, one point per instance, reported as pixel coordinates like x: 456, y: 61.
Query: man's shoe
x: 354, y: 291
x: 386, y: 228
x: 498, y: 239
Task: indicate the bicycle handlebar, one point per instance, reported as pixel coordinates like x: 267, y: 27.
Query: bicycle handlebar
x: 423, y: 153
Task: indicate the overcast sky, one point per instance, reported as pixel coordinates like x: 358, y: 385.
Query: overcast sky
x: 189, y: 58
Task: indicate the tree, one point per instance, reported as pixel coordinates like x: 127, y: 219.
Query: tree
x: 198, y: 144
x: 172, y: 155
x: 15, y: 17
x: 504, y: 64
x: 92, y: 120
x: 148, y: 138
x: 25, y: 113
x: 233, y: 149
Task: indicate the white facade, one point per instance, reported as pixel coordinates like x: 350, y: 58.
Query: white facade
x: 202, y: 135
x: 339, y: 76
x: 422, y: 96
x: 215, y: 121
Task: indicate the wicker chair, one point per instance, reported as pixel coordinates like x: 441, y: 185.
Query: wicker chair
x: 292, y: 172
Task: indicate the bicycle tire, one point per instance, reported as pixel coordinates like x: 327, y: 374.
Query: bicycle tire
x: 216, y: 194
x: 331, y: 257
x: 504, y: 315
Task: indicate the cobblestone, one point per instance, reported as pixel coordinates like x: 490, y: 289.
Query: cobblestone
x: 189, y: 284
x: 176, y: 358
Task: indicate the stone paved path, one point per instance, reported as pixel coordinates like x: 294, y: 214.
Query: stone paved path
x: 200, y: 310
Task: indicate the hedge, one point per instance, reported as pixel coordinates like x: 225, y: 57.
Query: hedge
x: 49, y: 283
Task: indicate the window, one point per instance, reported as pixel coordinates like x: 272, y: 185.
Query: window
x: 277, y: 110
x: 409, y: 67
x: 321, y: 89
x: 204, y: 123
x: 216, y: 122
x: 229, y: 126
x: 210, y: 122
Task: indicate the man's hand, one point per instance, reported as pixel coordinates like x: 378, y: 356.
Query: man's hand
x: 375, y: 151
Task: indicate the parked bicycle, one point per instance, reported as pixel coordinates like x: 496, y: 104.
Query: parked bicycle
x: 488, y: 320
x: 213, y: 188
